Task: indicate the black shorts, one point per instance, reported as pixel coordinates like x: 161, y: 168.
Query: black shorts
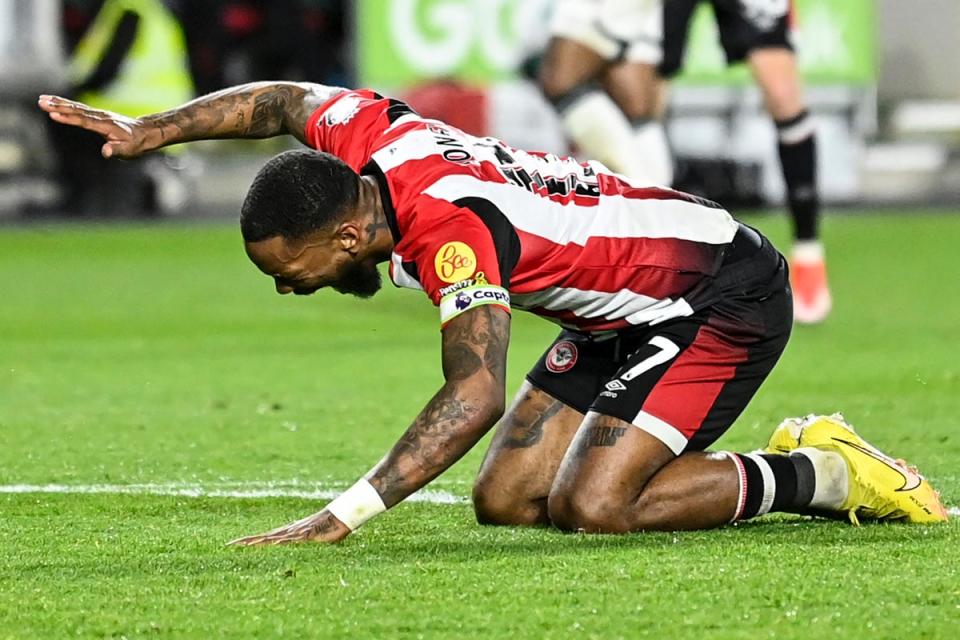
x: 687, y: 380
x: 744, y: 25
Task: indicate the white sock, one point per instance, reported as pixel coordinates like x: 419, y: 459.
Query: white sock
x: 832, y: 481
x: 603, y: 133
x: 807, y: 251
x: 651, y: 143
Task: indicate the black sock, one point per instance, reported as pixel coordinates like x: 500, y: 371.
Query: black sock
x: 566, y: 100
x: 639, y: 123
x: 773, y: 482
x: 798, y: 160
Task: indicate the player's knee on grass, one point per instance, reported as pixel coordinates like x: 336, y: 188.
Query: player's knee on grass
x: 496, y: 503
x: 602, y: 483
x: 519, y: 469
x: 576, y: 509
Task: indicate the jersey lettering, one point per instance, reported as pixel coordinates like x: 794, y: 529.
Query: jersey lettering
x: 537, y: 182
x: 453, y: 149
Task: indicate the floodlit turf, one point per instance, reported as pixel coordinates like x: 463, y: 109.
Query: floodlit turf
x: 159, y: 356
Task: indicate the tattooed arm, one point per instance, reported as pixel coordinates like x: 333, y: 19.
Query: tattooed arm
x: 255, y: 110
x: 466, y: 407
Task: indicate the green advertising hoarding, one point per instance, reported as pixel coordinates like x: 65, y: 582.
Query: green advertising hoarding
x: 401, y: 42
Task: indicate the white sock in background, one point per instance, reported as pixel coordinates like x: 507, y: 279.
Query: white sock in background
x: 601, y: 131
x: 650, y: 140
x: 807, y: 251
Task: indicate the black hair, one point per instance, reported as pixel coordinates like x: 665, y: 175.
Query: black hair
x: 297, y: 193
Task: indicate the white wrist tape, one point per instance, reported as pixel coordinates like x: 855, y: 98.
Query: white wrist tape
x: 357, y: 504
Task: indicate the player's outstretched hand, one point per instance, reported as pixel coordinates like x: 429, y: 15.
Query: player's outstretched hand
x: 320, y: 527
x: 125, y: 137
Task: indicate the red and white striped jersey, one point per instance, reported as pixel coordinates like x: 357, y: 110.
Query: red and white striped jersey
x: 476, y: 222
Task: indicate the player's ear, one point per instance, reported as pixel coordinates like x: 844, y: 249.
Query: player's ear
x: 348, y: 237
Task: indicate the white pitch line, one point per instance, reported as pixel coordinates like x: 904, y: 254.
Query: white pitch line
x: 238, y: 490
x: 244, y: 490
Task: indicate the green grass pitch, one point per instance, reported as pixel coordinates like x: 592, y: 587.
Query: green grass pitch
x: 158, y: 359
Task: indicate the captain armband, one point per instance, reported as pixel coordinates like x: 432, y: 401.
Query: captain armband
x: 470, y: 293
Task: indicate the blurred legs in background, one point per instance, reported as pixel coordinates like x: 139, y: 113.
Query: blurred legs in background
x: 776, y: 73
x: 759, y: 33
x: 599, y: 73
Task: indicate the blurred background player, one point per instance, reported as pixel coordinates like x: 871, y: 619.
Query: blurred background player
x: 128, y: 56
x: 599, y: 72
x: 758, y: 32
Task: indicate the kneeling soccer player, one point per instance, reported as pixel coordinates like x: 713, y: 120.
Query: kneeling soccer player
x: 673, y: 314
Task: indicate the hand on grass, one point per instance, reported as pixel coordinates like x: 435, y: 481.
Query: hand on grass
x: 125, y: 137
x: 320, y: 527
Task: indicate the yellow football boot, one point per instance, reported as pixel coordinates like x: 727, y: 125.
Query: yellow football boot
x: 786, y: 437
x: 881, y: 487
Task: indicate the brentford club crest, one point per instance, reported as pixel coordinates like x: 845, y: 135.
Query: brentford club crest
x: 562, y: 357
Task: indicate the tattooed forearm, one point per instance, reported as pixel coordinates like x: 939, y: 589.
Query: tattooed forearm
x: 255, y: 110
x: 445, y: 430
x: 474, y: 348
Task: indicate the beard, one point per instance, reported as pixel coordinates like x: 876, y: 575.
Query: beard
x: 360, y: 279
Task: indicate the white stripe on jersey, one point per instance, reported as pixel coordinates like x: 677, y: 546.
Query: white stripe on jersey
x: 400, y: 277
x: 413, y: 145
x: 410, y: 117
x: 633, y: 307
x: 614, y: 216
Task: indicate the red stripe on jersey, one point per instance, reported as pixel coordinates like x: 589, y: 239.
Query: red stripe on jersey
x: 459, y: 227
x: 708, y: 364
x: 612, y: 185
x: 656, y: 267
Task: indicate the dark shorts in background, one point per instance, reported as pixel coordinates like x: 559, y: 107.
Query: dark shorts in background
x: 744, y: 25
x: 687, y: 380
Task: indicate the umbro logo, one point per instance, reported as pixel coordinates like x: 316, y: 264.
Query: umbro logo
x: 615, y: 385
x: 910, y: 479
